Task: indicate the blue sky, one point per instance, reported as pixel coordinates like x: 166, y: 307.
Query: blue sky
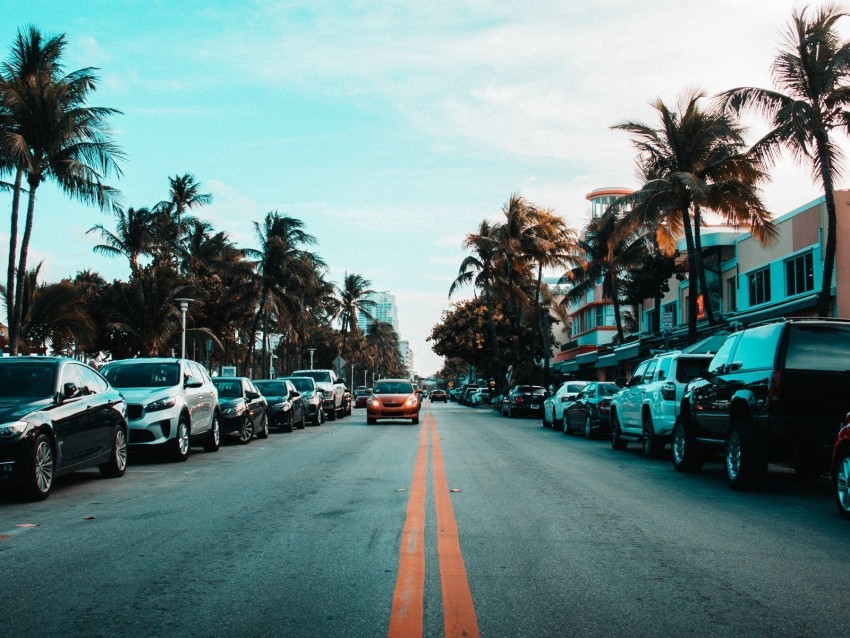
x: 390, y: 128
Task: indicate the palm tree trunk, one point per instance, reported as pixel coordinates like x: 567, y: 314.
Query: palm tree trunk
x: 13, y: 247
x: 825, y: 295
x: 615, y: 298
x: 249, y: 359
x: 15, y: 328
x: 692, y: 274
x: 706, y: 299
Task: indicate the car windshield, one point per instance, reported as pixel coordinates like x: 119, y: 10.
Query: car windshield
x: 303, y: 384
x: 271, y: 388
x: 229, y: 388
x: 393, y: 387
x: 143, y: 375
x: 319, y: 375
x: 608, y: 389
x: 34, y: 380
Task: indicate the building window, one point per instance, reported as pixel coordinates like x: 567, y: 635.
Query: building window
x: 605, y: 316
x: 799, y: 275
x: 732, y: 294
x: 759, y: 286
x: 649, y: 319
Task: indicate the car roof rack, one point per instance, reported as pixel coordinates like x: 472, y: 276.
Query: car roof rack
x: 797, y: 319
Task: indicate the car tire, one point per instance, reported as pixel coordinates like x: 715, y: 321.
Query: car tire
x: 841, y: 483
x: 415, y: 420
x: 331, y: 416
x: 40, y: 470
x: 246, y: 432
x: 287, y: 425
x: 652, y: 446
x: 117, y: 463
x: 263, y: 432
x: 303, y: 422
x: 180, y: 444
x: 565, y: 425
x: 688, y: 456
x: 746, y: 461
x: 588, y: 430
x: 371, y: 421
x: 617, y: 440
x: 213, y: 442
x: 318, y: 417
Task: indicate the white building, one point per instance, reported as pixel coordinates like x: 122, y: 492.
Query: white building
x: 406, y: 355
x: 385, y: 310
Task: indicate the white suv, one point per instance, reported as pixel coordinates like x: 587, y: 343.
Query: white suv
x: 646, y: 408
x: 170, y: 402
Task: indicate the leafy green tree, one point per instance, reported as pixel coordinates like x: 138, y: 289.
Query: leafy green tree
x: 811, y: 101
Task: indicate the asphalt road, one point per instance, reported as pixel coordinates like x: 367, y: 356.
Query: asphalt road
x: 300, y: 535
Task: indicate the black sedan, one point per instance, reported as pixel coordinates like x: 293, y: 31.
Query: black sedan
x: 286, y: 407
x: 524, y: 400
x: 244, y: 410
x: 590, y: 413
x: 57, y: 416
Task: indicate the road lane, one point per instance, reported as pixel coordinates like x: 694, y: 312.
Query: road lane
x: 301, y: 534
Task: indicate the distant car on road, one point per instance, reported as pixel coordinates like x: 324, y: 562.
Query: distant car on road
x: 590, y: 412
x: 171, y: 404
x: 244, y: 410
x: 311, y: 396
x: 361, y: 397
x: 393, y: 399
x: 286, y: 406
x: 331, y: 388
x: 439, y: 395
x: 524, y: 400
x: 553, y: 406
x: 57, y: 416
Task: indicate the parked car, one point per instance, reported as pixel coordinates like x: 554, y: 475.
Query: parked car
x: 361, y: 397
x: 286, y: 407
x: 393, y: 399
x: 439, y: 395
x: 467, y: 392
x: 331, y: 388
x: 481, y: 396
x: 311, y: 396
x: 589, y: 413
x: 454, y: 395
x: 244, y: 410
x: 171, y: 404
x: 553, y: 406
x: 57, y: 416
x: 776, y: 392
x: 523, y: 400
x: 646, y: 407
x: 841, y: 469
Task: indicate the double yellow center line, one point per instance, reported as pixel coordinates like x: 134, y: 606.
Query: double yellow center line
x: 459, y: 617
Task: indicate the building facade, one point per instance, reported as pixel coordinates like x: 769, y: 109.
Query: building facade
x: 385, y: 310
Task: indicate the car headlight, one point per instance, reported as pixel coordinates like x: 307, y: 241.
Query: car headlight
x: 374, y: 402
x: 413, y: 400
x: 235, y: 411
x: 11, y: 430
x: 162, y: 404
x: 328, y: 394
x: 278, y: 407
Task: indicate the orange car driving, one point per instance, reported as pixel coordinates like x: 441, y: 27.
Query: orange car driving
x: 392, y: 399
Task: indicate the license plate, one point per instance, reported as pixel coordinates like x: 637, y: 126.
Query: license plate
x: 534, y: 406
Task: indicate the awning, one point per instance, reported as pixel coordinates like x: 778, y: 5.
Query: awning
x: 569, y: 366
x: 607, y: 360
x: 774, y: 311
x: 626, y: 352
x: 588, y: 357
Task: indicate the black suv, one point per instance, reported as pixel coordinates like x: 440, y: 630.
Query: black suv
x: 773, y: 392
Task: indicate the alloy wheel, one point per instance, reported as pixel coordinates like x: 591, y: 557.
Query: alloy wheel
x: 44, y: 466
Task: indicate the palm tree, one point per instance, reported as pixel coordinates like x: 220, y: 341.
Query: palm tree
x: 54, y: 136
x: 131, y: 239
x: 516, y: 240
x: 811, y: 100
x: 693, y: 160
x: 33, y: 59
x: 185, y: 194
x: 282, y: 265
x: 607, y: 254
x: 353, y: 301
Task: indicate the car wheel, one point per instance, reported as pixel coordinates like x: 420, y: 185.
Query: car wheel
x: 371, y: 421
x: 746, y: 462
x: 617, y: 440
x: 213, y: 442
x: 652, y: 447
x: 415, y: 420
x: 588, y: 430
x: 688, y: 456
x: 566, y: 424
x: 117, y: 463
x: 842, y: 483
x: 40, y: 471
x: 331, y: 416
x: 263, y: 432
x: 180, y: 444
x: 246, y: 432
x: 317, y: 418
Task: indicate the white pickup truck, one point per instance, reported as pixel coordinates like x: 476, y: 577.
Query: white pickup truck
x: 332, y: 389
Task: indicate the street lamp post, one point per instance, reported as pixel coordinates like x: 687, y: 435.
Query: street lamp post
x: 352, y: 377
x: 365, y: 382
x: 184, y: 306
x: 312, y: 351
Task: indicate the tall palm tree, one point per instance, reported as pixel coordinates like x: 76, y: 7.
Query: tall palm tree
x: 811, y: 74
x: 33, y: 59
x: 353, y: 300
x: 185, y: 194
x: 694, y: 159
x: 283, y: 263
x: 516, y: 240
x: 607, y: 254
x: 131, y: 239
x: 55, y: 136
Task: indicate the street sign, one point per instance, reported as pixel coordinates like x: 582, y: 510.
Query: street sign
x: 451, y: 384
x: 666, y: 320
x: 339, y: 362
x: 228, y: 371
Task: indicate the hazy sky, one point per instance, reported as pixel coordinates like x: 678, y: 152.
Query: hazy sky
x: 390, y: 128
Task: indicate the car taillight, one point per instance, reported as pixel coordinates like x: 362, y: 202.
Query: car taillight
x: 519, y: 399
x: 565, y: 398
x: 604, y: 406
x: 774, y: 387
x: 668, y: 391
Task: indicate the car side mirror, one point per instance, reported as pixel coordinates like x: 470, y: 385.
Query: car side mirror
x: 192, y: 383
x: 70, y: 390
x: 620, y: 382
x: 252, y: 396
x: 295, y: 394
